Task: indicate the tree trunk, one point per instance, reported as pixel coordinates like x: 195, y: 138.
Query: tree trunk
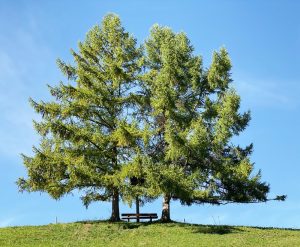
x: 137, y: 207
x: 165, y: 215
x: 115, y: 211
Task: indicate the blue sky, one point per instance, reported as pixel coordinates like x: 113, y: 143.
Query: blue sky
x: 263, y: 40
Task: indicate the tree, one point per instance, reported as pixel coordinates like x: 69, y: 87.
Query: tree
x: 137, y: 125
x: 87, y: 132
x: 193, y: 113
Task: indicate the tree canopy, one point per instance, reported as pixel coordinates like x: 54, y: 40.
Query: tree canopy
x: 150, y: 114
x: 86, y: 131
x: 193, y: 113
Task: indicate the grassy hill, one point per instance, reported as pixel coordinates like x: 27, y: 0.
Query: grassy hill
x: 102, y: 233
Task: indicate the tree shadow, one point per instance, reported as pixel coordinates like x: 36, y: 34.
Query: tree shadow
x: 215, y: 229
x: 119, y: 224
x: 194, y: 228
x: 207, y: 229
x: 272, y: 228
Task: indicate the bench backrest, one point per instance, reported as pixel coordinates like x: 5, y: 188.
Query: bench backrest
x: 150, y: 215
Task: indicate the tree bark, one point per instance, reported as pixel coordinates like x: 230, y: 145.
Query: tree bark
x: 137, y: 207
x: 115, y: 211
x: 165, y: 215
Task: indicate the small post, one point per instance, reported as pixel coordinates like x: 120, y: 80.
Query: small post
x: 55, y: 219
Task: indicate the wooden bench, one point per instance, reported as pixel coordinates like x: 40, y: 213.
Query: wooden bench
x: 139, y: 216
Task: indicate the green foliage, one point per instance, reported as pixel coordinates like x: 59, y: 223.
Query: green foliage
x: 219, y: 72
x: 193, y: 113
x: 87, y: 132
x: 152, y: 113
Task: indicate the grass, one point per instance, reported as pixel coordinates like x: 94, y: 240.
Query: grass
x: 101, y: 233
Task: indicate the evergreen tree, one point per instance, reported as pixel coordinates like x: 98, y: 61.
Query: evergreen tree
x: 115, y: 130
x: 87, y: 132
x: 193, y: 113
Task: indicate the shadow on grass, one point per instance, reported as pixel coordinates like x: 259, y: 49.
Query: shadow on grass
x: 194, y: 228
x: 272, y: 228
x: 119, y: 224
x: 215, y: 229
x: 206, y: 229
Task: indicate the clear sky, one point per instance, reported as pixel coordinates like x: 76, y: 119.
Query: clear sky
x: 263, y: 40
